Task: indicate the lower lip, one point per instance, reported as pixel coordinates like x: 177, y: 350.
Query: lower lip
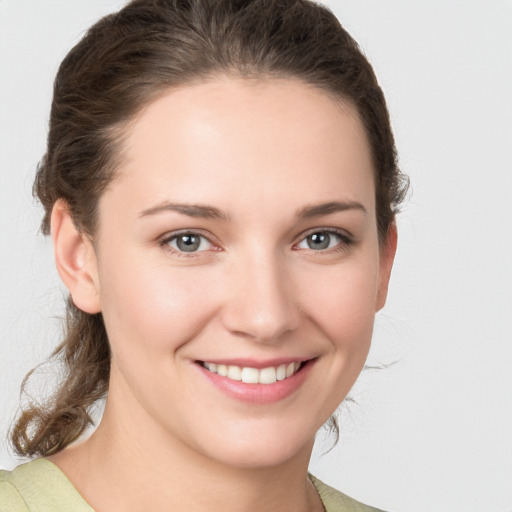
x: 259, y: 393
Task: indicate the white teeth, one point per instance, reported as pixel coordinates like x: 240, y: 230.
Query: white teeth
x: 267, y: 376
x: 211, y: 366
x: 234, y: 373
x: 249, y: 375
x: 281, y: 372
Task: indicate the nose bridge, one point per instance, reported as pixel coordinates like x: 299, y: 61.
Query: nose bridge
x: 262, y: 305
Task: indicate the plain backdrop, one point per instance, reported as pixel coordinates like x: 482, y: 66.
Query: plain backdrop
x: 433, y: 431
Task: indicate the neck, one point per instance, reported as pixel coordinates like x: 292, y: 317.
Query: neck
x: 113, y: 471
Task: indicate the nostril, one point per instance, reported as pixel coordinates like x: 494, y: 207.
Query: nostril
x: 264, y: 324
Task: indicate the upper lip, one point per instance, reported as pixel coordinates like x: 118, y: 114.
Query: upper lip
x: 256, y: 363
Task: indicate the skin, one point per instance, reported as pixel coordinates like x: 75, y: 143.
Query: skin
x: 261, y: 154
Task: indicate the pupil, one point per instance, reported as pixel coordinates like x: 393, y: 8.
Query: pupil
x: 188, y: 243
x: 319, y: 241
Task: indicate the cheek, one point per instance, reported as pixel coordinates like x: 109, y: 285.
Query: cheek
x: 343, y: 303
x: 153, y: 309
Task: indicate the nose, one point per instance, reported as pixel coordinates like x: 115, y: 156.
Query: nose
x: 261, y: 305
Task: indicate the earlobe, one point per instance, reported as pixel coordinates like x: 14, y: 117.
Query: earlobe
x: 75, y: 260
x: 387, y: 256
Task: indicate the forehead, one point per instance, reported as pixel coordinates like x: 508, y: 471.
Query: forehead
x: 231, y: 135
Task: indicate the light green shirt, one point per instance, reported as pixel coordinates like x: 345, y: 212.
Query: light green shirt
x: 40, y: 486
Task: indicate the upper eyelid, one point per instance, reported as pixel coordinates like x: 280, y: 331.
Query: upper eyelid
x: 345, y: 241
x: 337, y: 231
x: 174, y: 234
x: 166, y: 239
x: 348, y: 237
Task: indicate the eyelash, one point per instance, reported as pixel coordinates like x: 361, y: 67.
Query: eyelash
x: 345, y: 241
x: 167, y: 240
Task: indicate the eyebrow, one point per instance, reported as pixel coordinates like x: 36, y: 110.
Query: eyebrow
x: 210, y: 212
x: 191, y: 210
x: 318, y: 210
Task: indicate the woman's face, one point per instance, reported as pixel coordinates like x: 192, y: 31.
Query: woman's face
x: 240, y: 237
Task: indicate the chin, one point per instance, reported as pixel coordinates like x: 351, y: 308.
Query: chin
x: 263, y: 457
x: 264, y: 448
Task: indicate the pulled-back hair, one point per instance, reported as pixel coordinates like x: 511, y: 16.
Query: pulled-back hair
x: 125, y: 61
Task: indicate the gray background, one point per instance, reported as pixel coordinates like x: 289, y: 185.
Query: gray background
x: 433, y: 432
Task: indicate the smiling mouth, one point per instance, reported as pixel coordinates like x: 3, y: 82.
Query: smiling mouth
x: 249, y: 375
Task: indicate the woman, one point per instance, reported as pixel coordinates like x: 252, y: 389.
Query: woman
x: 220, y: 184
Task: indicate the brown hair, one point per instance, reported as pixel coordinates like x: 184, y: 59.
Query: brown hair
x: 125, y: 61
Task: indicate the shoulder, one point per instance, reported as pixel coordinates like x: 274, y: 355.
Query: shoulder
x: 38, y: 486
x: 10, y: 498
x: 335, y: 501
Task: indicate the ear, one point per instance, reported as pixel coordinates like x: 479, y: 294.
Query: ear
x: 387, y: 256
x: 75, y: 259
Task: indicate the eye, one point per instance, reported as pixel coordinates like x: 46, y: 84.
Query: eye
x: 322, y: 240
x: 188, y: 242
